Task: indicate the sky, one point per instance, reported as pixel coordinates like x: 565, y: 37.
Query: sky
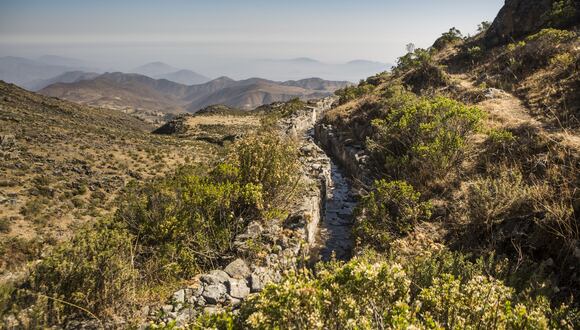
x: 193, y: 33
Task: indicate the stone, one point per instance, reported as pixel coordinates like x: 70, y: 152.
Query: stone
x: 238, y: 288
x: 179, y: 296
x: 184, y: 317
x: 214, y: 293
x: 210, y: 310
x: 166, y: 309
x: 223, y: 276
x: 212, y: 279
x: 238, y: 269
x: 233, y: 301
x: 259, y: 278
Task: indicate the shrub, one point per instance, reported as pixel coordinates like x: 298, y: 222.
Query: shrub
x: 421, y: 139
x: 562, y: 61
x: 270, y: 161
x: 483, y: 26
x: 187, y: 222
x: 474, y: 53
x: 376, y: 294
x: 490, y: 201
x: 354, y: 92
x: 390, y: 210
x: 93, y: 272
x: 537, y: 50
x: 4, y: 225
x: 562, y: 13
x: 451, y: 36
x: 412, y: 60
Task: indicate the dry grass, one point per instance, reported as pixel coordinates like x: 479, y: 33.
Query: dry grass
x: 63, y: 164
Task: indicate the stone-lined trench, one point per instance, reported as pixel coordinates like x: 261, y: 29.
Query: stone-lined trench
x: 335, y: 232
x: 319, y: 229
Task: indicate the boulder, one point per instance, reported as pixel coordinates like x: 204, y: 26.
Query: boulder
x: 179, y: 296
x: 238, y: 288
x: 238, y: 269
x: 516, y: 19
x: 214, y: 277
x: 214, y: 293
x: 259, y: 278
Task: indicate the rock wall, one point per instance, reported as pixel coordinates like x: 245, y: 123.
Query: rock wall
x: 350, y: 155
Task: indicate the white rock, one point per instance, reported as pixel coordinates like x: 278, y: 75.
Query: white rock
x: 238, y: 269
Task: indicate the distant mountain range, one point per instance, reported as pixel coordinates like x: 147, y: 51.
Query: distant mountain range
x: 299, y: 68
x: 139, y: 93
x: 160, y: 70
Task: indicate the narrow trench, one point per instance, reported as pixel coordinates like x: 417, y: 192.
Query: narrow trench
x: 335, y: 234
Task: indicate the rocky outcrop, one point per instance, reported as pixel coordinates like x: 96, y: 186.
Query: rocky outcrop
x: 178, y: 125
x: 519, y: 18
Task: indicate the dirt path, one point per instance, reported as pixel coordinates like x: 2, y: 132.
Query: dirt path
x: 510, y: 111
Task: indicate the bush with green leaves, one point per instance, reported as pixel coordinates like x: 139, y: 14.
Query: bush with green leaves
x: 563, y: 12
x: 93, y: 274
x: 447, y: 38
x: 390, y: 210
x: 270, y: 161
x: 537, y: 50
x: 420, y: 139
x: 185, y: 223
x: 350, y: 93
x: 367, y: 293
x: 415, y: 59
x: 490, y: 201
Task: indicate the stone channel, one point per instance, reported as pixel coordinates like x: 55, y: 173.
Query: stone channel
x: 319, y: 229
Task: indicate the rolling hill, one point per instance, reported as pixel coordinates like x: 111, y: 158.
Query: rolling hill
x: 155, y: 97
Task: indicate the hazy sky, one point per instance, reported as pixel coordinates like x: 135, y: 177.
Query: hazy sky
x: 119, y: 33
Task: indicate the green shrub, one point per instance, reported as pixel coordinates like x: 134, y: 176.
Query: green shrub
x: 377, y: 294
x: 490, y: 201
x: 562, y: 13
x: 390, y: 210
x: 421, y: 139
x: 187, y: 222
x: 475, y: 53
x: 4, y: 225
x: 449, y: 37
x: 536, y: 51
x: 412, y: 60
x: 94, y: 272
x: 270, y: 161
x: 354, y: 92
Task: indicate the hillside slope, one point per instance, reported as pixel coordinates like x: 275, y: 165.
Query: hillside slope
x: 63, y: 164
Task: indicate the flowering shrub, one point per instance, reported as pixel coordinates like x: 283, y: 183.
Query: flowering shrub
x: 371, y: 294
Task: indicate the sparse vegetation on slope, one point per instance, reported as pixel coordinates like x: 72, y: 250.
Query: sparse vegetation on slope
x: 164, y: 231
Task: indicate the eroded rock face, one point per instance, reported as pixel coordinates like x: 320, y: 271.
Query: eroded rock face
x: 516, y: 19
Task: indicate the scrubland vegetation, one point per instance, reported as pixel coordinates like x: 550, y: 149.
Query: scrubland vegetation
x: 472, y: 222
x: 163, y: 231
x: 501, y: 193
